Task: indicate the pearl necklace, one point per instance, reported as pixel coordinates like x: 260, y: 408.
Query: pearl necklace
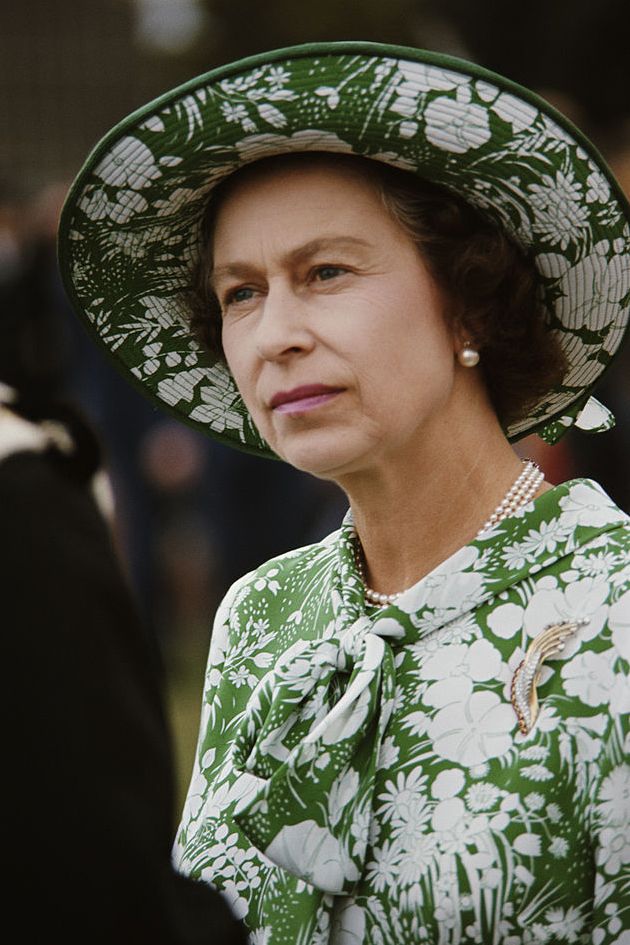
x: 518, y: 495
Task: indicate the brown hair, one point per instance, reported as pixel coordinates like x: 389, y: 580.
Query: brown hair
x: 491, y: 286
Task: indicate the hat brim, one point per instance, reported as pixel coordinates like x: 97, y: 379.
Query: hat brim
x: 130, y: 228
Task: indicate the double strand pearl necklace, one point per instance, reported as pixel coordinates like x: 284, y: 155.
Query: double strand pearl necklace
x: 519, y: 494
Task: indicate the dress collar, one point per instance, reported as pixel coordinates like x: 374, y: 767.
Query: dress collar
x: 542, y: 532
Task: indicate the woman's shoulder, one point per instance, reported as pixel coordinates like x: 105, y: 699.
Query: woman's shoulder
x: 267, y: 609
x: 608, y: 548
x: 590, y: 518
x: 285, y: 578
x: 288, y: 565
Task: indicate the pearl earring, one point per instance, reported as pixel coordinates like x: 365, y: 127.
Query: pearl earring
x: 468, y: 356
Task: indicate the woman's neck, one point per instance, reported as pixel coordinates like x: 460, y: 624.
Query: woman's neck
x: 412, y: 512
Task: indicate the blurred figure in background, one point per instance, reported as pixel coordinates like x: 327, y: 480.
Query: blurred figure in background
x: 90, y: 786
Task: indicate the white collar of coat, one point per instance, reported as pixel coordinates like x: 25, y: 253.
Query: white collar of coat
x: 544, y: 531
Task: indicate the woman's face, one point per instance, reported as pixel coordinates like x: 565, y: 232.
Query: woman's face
x: 332, y: 326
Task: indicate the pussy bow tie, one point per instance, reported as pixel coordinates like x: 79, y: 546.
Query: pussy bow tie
x: 313, y: 758
x: 309, y: 747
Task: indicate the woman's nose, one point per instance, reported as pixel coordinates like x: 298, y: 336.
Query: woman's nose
x: 284, y: 329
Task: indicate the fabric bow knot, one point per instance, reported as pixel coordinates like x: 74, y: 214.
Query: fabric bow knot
x: 314, y: 752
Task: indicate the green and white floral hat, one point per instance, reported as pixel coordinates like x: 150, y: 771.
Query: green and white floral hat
x: 130, y: 229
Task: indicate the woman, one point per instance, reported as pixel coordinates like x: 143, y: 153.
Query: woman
x: 443, y: 763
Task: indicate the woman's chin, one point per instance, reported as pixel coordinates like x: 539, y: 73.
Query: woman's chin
x: 322, y: 455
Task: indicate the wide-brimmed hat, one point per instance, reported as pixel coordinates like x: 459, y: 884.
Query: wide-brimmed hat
x: 131, y: 226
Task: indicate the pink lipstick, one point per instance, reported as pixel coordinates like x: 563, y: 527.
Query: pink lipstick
x: 304, y: 398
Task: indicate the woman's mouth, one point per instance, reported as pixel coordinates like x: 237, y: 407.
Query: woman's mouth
x: 302, y: 399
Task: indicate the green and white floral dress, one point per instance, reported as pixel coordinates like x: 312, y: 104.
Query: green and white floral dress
x: 361, y: 776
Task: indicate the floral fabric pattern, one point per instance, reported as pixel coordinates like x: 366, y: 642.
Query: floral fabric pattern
x: 360, y: 775
x: 130, y: 231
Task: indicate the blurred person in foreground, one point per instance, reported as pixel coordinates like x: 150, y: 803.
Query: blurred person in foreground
x: 415, y: 730
x: 88, y: 790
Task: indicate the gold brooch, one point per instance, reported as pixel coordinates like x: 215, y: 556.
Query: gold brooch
x: 548, y: 643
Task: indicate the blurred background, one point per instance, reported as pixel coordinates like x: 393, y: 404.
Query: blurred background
x: 192, y: 515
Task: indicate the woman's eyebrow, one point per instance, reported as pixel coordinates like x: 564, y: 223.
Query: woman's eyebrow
x: 298, y: 254
x: 324, y: 243
x: 236, y: 270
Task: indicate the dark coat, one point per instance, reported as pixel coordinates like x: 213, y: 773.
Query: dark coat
x: 89, y: 804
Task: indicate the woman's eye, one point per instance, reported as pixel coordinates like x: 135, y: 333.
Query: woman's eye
x: 325, y: 273
x: 242, y: 294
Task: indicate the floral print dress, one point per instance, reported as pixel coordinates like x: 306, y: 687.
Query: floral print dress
x: 361, y: 774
